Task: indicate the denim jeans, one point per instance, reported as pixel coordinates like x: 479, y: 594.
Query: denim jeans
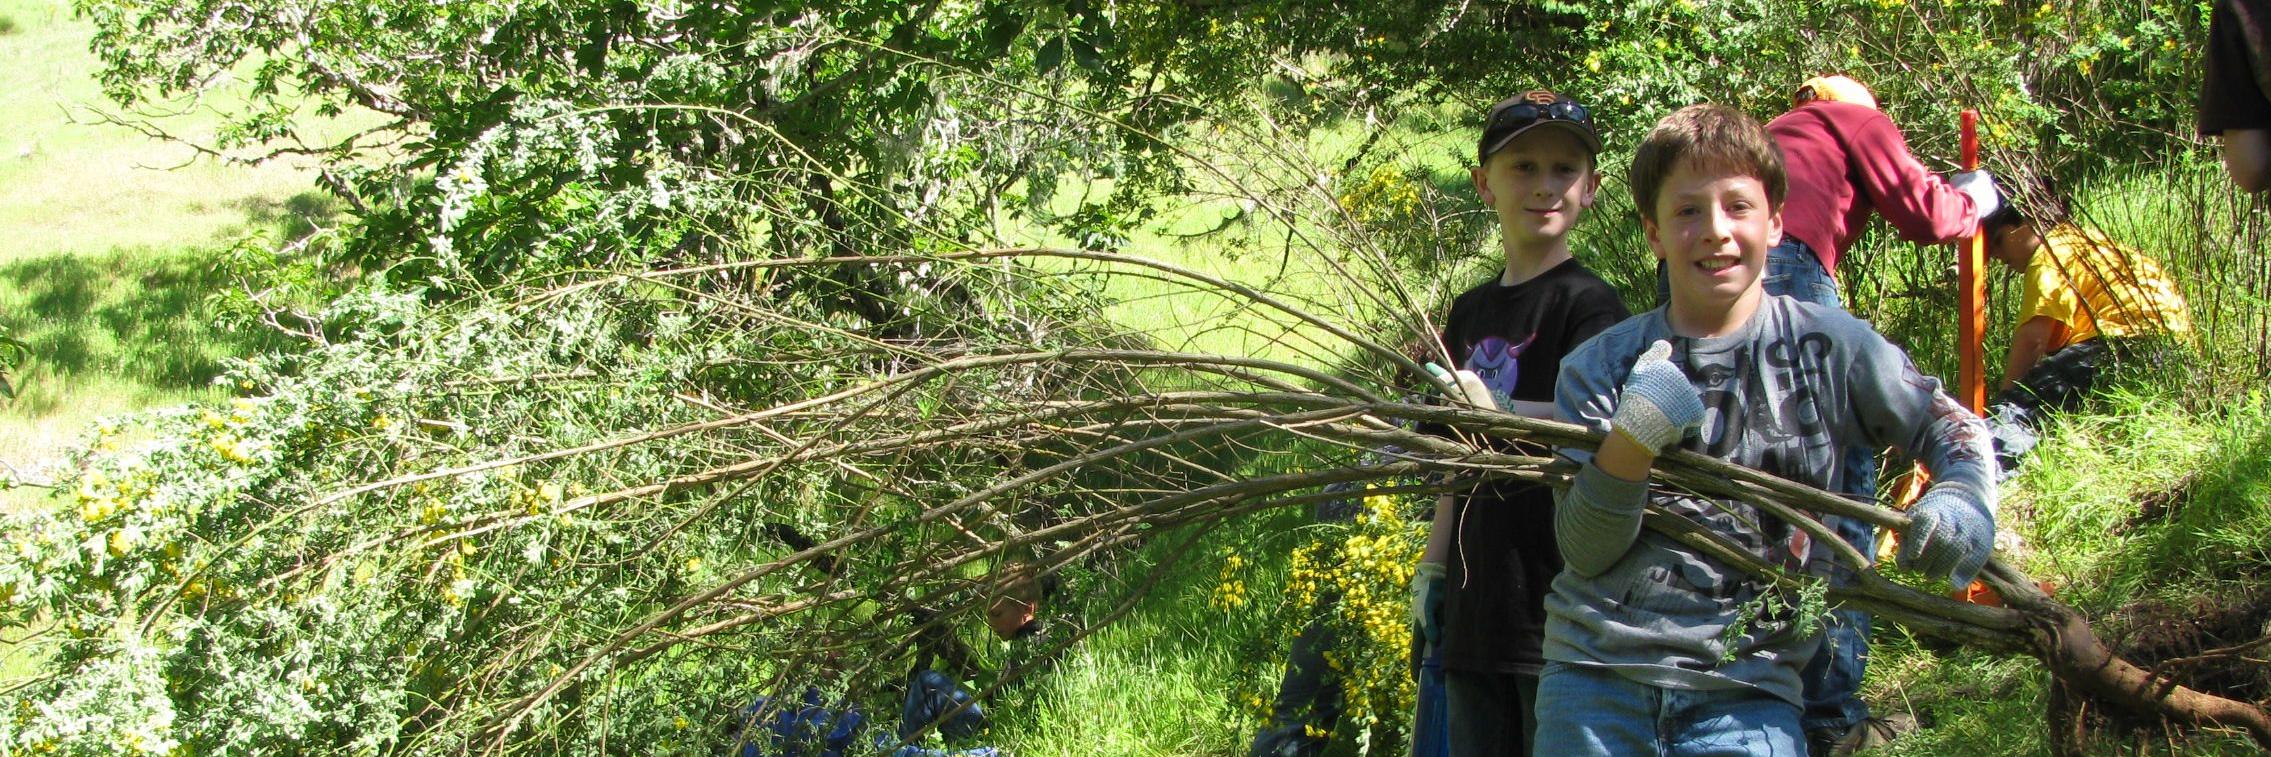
x: 1308, y: 695
x: 1833, y: 677
x: 1595, y: 711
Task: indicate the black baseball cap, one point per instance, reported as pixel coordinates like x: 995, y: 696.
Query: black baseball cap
x: 1533, y: 109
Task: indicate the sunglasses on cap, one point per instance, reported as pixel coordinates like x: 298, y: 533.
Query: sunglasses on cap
x: 1520, y: 115
x: 1529, y: 110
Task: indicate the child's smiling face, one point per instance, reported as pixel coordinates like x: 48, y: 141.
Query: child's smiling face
x: 1539, y: 184
x: 1712, y: 227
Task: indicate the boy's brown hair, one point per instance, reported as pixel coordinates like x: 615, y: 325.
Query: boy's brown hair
x: 1709, y: 137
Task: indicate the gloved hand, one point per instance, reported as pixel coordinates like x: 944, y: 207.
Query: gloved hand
x: 1658, y: 404
x: 1981, y: 186
x: 1469, y: 387
x: 1948, y: 537
x: 1427, y: 601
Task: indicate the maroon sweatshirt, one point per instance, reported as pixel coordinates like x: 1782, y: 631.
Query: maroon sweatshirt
x: 1846, y: 160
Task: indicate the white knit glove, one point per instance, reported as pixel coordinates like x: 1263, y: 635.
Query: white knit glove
x: 1658, y: 404
x: 1469, y: 387
x: 1980, y: 185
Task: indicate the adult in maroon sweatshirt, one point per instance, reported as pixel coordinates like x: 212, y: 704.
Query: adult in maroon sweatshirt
x: 1846, y: 160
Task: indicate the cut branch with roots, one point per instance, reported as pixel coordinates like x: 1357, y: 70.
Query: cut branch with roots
x: 1099, y: 465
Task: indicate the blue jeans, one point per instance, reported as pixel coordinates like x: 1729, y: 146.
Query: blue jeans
x: 1595, y: 711
x: 1793, y: 271
x: 1308, y: 695
x: 1833, y: 677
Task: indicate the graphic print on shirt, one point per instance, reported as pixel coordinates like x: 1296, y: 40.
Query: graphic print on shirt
x: 1774, y: 415
x: 1498, y: 364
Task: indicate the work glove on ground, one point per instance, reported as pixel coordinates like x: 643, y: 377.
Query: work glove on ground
x: 1948, y: 537
x: 1658, y: 405
x: 1427, y: 601
x: 1980, y: 185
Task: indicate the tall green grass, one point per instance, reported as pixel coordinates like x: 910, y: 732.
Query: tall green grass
x: 2079, y: 505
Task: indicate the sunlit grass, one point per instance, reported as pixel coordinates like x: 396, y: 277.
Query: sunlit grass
x: 2080, y: 505
x: 1143, y: 687
x: 111, y: 255
x: 71, y: 185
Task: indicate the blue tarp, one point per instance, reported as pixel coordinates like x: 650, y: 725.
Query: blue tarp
x: 814, y: 730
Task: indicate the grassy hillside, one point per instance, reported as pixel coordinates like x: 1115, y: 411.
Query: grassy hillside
x: 113, y: 239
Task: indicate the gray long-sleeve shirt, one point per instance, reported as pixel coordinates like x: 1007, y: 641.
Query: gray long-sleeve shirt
x: 1783, y: 394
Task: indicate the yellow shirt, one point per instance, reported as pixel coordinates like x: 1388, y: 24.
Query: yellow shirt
x: 2099, y: 288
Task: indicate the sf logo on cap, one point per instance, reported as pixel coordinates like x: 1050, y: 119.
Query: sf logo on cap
x: 1539, y: 97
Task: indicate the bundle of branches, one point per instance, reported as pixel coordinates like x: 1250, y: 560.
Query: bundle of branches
x: 420, y: 540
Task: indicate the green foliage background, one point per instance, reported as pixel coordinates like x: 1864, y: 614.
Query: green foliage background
x: 592, y: 226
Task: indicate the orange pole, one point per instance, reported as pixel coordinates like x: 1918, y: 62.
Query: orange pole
x: 1971, y: 328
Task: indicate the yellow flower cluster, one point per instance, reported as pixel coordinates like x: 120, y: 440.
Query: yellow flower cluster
x: 222, y: 431
x: 1367, y: 565
x: 459, y: 587
x: 118, y: 511
x: 540, y: 498
x: 1386, y: 195
x: 99, y: 498
x: 1230, y: 586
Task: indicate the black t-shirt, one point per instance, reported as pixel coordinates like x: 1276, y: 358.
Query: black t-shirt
x: 2232, y: 89
x: 1503, y: 557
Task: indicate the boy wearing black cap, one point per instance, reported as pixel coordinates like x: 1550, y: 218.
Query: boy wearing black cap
x: 1479, y: 591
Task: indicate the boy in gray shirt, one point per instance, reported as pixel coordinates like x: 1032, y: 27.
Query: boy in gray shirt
x: 1641, y: 658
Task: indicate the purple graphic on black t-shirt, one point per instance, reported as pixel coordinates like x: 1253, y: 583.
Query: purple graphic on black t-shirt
x: 1498, y: 364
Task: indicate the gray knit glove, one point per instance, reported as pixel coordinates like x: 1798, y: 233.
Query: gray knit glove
x: 1658, y: 405
x: 1948, y: 537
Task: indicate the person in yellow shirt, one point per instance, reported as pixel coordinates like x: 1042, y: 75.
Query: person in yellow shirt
x: 2089, y: 303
